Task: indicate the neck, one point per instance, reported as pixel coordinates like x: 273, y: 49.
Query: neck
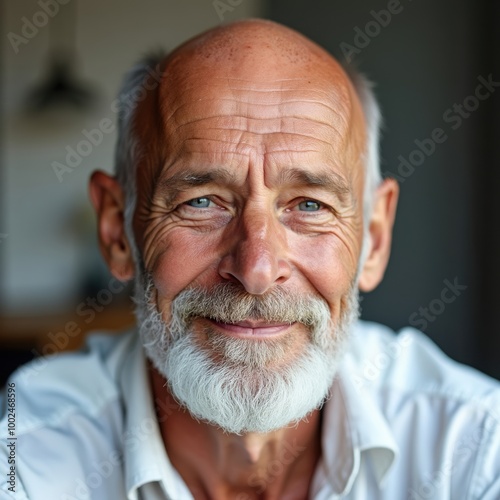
x: 215, y: 464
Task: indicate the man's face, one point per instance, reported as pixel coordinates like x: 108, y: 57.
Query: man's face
x: 250, y: 230
x: 248, y: 223
x: 261, y: 186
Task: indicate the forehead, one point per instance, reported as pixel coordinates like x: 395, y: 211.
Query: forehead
x: 224, y: 107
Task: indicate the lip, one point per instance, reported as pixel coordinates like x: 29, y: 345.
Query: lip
x: 252, y: 329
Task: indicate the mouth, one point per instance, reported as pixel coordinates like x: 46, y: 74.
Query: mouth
x: 254, y: 329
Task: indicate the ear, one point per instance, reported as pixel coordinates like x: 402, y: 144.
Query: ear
x: 379, y: 235
x: 109, y: 203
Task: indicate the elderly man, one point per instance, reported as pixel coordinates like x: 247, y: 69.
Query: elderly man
x: 248, y: 208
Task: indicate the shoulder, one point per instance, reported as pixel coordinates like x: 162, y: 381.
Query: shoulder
x: 64, y: 410
x: 50, y: 387
x: 410, y: 361
x: 445, y: 413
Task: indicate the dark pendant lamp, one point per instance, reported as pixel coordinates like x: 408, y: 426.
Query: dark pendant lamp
x: 61, y: 87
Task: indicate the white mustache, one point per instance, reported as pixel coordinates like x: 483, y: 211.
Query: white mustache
x: 228, y: 303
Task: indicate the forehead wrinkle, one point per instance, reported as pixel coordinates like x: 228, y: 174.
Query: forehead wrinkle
x: 245, y: 119
x: 284, y: 140
x: 325, y: 123
x: 283, y: 136
x: 300, y: 94
x: 259, y: 106
x: 191, y: 91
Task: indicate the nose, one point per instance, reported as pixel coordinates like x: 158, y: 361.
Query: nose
x: 258, y: 253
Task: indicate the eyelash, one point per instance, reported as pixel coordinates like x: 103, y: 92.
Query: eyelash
x: 307, y: 200
x: 320, y: 205
x: 198, y: 198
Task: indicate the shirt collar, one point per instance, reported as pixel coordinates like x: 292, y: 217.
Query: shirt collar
x: 354, y: 429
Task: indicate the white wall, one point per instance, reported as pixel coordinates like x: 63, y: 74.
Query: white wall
x: 45, y: 255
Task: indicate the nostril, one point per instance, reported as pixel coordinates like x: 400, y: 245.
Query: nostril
x: 255, y: 272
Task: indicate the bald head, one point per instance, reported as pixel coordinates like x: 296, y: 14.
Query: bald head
x: 249, y: 76
x: 259, y: 52
x: 255, y: 40
x: 257, y: 62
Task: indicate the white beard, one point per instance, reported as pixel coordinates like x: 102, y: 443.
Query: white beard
x: 238, y: 384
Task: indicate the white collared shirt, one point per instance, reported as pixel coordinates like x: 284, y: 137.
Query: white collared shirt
x: 402, y: 422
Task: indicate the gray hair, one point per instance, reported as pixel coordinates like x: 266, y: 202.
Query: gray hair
x: 128, y: 149
x: 127, y: 152
x: 373, y: 121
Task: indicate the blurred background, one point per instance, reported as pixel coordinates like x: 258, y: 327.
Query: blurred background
x: 436, y: 66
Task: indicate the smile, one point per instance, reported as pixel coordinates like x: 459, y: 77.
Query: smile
x: 252, y: 329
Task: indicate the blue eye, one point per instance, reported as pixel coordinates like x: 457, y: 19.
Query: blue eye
x: 309, y: 206
x: 202, y: 202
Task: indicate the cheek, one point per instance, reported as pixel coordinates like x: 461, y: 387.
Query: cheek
x: 326, y: 264
x: 183, y: 258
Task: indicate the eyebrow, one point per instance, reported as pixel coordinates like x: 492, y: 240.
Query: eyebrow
x: 326, y: 179
x: 182, y: 181
x: 187, y: 179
